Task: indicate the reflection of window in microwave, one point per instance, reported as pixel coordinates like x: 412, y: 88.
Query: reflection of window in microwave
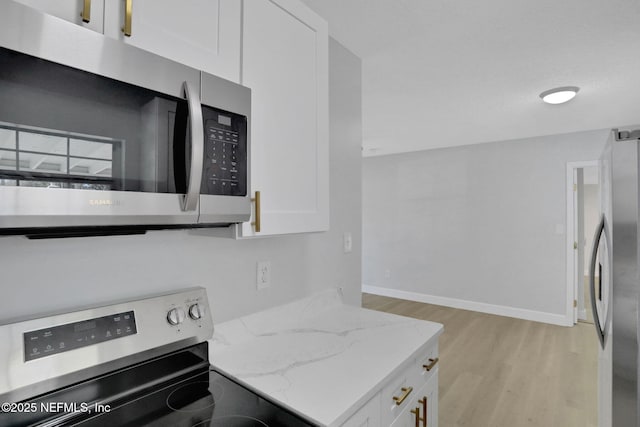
x: 55, y: 184
x: 8, y: 159
x: 34, y: 152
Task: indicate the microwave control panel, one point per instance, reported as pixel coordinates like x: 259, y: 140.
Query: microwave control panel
x: 225, y: 157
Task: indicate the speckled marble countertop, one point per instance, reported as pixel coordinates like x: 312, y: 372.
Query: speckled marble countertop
x: 317, y: 356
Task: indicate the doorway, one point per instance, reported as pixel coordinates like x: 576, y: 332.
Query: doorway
x: 583, y: 212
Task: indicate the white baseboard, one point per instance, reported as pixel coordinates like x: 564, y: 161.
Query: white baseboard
x: 500, y: 310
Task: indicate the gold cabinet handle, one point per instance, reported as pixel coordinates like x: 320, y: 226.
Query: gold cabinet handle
x: 128, y: 11
x: 86, y: 11
x: 416, y: 412
x: 257, y: 223
x: 423, y: 402
x: 406, y: 391
x: 432, y: 363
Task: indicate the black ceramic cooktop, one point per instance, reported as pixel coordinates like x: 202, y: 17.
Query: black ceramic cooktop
x: 176, y: 390
x: 206, y: 399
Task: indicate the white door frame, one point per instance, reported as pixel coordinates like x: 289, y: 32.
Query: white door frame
x: 571, y: 286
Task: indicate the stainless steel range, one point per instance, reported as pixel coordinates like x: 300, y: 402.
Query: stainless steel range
x: 133, y: 363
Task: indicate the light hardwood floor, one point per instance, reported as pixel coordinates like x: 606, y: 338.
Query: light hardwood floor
x: 502, y: 372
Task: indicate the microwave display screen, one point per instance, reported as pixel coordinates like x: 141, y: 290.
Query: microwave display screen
x: 224, y: 120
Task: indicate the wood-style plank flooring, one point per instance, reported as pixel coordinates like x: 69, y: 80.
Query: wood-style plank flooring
x: 502, y: 372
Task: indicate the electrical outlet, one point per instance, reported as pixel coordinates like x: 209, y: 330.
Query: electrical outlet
x: 263, y: 275
x: 347, y: 242
x: 387, y: 274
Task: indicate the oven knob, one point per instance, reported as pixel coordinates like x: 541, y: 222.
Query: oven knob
x: 195, y: 311
x: 175, y: 316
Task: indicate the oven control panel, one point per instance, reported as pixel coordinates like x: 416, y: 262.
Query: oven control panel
x: 88, y: 339
x: 58, y: 339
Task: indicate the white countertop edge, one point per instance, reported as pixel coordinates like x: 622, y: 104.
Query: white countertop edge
x: 356, y: 404
x: 372, y: 392
x: 277, y: 322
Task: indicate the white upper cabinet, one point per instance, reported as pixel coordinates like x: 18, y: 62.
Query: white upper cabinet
x: 73, y: 11
x: 277, y: 48
x: 285, y: 64
x: 203, y: 34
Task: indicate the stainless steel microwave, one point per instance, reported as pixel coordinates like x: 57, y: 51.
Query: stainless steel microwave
x: 98, y: 135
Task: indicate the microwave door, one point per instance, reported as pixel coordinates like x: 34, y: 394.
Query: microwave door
x: 82, y: 150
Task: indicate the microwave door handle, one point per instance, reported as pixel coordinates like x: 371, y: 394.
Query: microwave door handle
x: 196, y: 129
x: 600, y: 331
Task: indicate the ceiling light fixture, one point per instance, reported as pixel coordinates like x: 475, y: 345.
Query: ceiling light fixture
x: 559, y: 95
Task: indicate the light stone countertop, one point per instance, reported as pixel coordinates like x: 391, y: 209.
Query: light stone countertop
x: 317, y: 356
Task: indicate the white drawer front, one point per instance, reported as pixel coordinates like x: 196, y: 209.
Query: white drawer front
x: 422, y: 409
x: 405, y: 386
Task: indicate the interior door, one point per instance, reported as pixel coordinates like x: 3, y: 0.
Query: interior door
x: 578, y: 245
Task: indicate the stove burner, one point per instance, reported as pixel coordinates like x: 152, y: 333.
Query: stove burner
x: 194, y: 396
x: 232, y: 421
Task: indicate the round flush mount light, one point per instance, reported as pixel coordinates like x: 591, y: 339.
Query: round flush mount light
x: 559, y: 95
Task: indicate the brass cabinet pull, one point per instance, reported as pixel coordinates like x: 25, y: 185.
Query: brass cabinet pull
x: 423, y: 402
x: 406, y: 391
x: 86, y: 11
x: 432, y: 363
x: 256, y: 223
x: 416, y: 412
x: 128, y: 11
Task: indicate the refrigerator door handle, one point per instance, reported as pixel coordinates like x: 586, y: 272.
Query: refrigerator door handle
x: 600, y: 330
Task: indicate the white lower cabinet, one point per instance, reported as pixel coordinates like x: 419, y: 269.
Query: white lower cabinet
x: 422, y: 409
x: 409, y: 399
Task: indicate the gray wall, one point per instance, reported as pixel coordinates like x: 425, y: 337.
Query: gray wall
x: 45, y: 275
x: 475, y: 225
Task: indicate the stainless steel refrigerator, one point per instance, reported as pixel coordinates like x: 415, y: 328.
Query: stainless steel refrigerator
x: 614, y: 297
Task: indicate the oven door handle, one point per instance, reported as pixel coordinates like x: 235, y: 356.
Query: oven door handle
x: 600, y: 330
x: 196, y: 130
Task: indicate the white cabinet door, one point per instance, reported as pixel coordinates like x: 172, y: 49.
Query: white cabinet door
x: 72, y: 10
x: 428, y: 393
x: 285, y: 64
x: 203, y: 34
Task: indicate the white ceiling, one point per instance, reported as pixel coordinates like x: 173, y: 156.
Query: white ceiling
x: 442, y: 73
